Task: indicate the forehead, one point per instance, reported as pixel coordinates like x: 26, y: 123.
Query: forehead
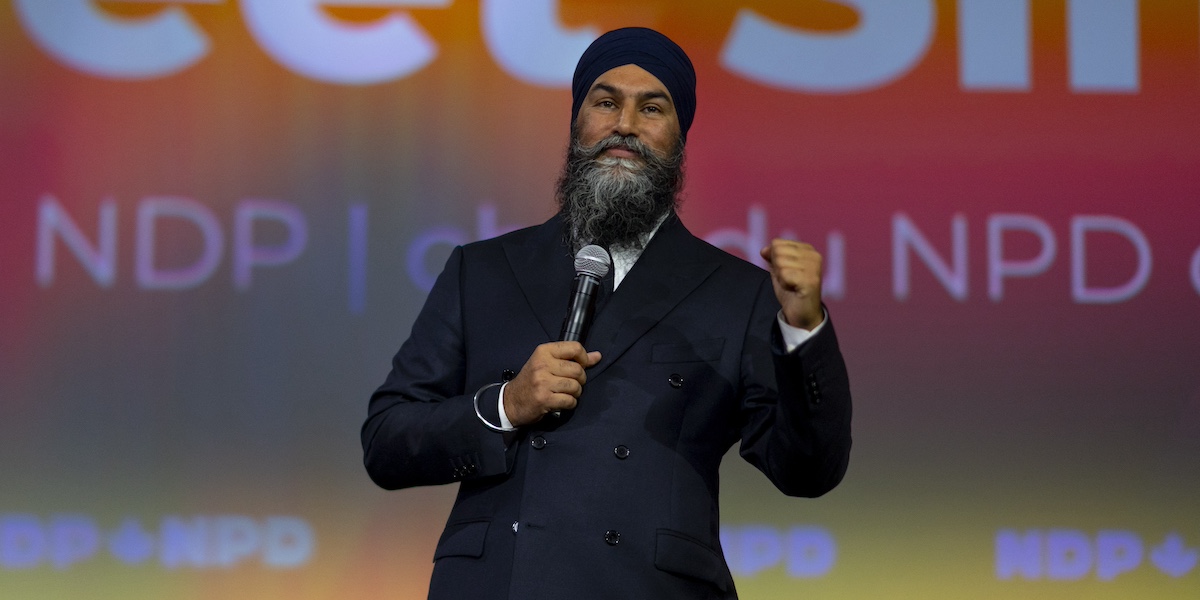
x: 630, y: 79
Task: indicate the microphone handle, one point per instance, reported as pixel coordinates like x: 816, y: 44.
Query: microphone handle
x: 583, y: 306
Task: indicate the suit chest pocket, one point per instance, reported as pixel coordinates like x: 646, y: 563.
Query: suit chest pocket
x: 708, y: 350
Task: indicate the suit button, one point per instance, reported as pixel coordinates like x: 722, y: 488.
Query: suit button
x: 470, y: 469
x: 621, y: 452
x: 676, y: 380
x: 507, y: 375
x: 538, y: 442
x: 612, y: 537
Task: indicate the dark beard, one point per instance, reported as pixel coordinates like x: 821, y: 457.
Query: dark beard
x: 615, y: 202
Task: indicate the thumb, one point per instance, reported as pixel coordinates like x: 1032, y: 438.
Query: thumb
x: 593, y: 358
x: 765, y: 253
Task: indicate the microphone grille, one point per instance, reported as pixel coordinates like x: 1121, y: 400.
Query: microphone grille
x: 593, y: 260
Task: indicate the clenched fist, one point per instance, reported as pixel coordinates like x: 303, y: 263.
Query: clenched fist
x: 796, y: 275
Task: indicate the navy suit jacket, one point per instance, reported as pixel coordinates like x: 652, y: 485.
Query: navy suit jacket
x: 617, y: 498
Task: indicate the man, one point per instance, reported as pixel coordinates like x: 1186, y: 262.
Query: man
x: 592, y: 472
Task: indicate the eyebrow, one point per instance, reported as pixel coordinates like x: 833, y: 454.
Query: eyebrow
x: 650, y: 95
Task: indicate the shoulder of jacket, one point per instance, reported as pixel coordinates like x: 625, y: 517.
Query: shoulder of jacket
x: 496, y: 244
x: 730, y: 263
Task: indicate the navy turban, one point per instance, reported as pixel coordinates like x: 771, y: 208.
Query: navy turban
x: 648, y: 49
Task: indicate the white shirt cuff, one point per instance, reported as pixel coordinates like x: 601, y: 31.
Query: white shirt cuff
x: 505, y: 424
x: 792, y: 336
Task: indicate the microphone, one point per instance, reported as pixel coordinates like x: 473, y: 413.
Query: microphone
x: 591, y: 265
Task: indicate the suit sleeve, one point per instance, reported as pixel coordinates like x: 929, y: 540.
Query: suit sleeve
x: 796, y: 405
x: 421, y: 427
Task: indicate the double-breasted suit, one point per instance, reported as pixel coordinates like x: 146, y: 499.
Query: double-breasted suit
x: 617, y: 498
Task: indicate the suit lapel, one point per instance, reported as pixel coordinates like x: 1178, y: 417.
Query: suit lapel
x: 667, y: 271
x: 544, y: 269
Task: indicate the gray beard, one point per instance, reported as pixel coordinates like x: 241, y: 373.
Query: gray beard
x: 616, y: 202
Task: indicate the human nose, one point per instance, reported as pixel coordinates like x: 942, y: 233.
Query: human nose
x: 627, y: 121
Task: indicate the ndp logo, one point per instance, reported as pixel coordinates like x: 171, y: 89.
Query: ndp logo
x: 528, y: 41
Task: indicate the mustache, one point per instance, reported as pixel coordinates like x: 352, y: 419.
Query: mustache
x: 618, y: 141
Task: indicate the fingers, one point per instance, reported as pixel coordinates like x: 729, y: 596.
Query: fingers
x: 792, y: 263
x: 551, y: 380
x: 572, y: 351
x: 796, y: 275
x: 790, y: 258
x: 568, y: 359
x: 561, y: 376
x: 781, y: 249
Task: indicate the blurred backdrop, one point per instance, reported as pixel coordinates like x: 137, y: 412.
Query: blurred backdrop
x: 220, y: 217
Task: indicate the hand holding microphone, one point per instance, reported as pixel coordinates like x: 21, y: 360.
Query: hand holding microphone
x: 553, y: 377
